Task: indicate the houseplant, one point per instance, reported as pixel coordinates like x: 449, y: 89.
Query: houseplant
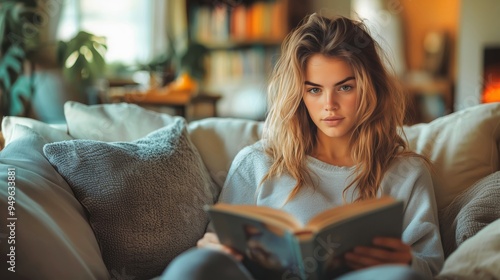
x: 31, y: 58
x: 83, y: 62
x: 18, y: 39
x: 180, y: 72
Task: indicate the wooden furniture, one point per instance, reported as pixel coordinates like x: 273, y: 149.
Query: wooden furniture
x: 182, y: 104
x: 182, y: 108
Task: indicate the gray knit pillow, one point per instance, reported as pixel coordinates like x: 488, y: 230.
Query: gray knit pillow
x: 144, y: 198
x: 470, y: 212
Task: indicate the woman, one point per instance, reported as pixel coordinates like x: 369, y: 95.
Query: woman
x: 331, y: 137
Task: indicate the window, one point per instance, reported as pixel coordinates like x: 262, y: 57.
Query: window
x: 135, y: 30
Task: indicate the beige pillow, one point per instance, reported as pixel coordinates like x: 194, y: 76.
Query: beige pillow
x: 219, y: 140
x: 477, y: 258
x: 51, y: 133
x: 112, y: 122
x: 463, y: 147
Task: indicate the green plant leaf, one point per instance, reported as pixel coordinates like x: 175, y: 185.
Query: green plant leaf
x: 20, y: 90
x: 83, y: 57
x: 15, y: 16
x: 11, y: 66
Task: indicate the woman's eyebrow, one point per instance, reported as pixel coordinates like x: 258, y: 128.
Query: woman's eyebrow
x: 339, y: 83
x: 311, y: 84
x: 344, y: 80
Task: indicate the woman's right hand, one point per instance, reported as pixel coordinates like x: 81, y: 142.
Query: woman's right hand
x: 210, y: 240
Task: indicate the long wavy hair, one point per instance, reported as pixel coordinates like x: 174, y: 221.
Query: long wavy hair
x: 290, y: 135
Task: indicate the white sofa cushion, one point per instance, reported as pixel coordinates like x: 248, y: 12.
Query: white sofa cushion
x: 477, y: 258
x: 53, y: 237
x: 463, y: 147
x: 112, y: 122
x: 219, y: 140
x: 51, y: 133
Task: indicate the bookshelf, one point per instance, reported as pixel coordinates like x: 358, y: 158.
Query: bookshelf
x: 244, y: 39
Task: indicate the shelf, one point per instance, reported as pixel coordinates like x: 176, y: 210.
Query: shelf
x: 243, y: 42
x: 224, y: 26
x: 233, y: 44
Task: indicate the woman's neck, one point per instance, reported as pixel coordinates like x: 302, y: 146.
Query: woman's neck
x: 336, y: 152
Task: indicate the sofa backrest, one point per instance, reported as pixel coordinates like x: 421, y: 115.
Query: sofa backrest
x: 464, y: 146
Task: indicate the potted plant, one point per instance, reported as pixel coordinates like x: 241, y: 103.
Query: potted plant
x: 181, y: 69
x: 17, y: 42
x: 83, y: 63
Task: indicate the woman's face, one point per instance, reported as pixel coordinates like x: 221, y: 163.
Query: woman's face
x: 330, y: 96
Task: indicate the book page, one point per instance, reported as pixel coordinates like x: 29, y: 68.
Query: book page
x: 347, y: 211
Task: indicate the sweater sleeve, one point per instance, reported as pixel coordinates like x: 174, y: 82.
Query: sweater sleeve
x: 411, y: 181
x: 245, y: 173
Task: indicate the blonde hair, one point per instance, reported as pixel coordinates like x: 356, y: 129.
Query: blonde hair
x: 290, y: 135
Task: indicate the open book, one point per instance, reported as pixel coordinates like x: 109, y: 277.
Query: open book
x: 278, y: 246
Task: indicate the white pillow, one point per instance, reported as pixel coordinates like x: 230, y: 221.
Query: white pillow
x: 477, y: 258
x: 51, y: 133
x: 112, y: 122
x: 218, y: 140
x: 463, y: 147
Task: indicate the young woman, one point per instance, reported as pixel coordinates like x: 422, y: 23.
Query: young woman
x: 332, y: 137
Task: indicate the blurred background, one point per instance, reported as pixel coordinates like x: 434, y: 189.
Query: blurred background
x: 446, y: 53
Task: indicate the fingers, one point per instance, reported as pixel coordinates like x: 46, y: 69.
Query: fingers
x: 211, y: 241
x: 391, y: 243
x: 384, y: 251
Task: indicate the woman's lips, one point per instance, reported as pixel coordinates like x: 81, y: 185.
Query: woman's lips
x: 332, y: 121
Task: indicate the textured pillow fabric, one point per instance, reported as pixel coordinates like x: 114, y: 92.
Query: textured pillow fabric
x: 53, y: 239
x: 49, y: 132
x: 144, y: 198
x: 219, y: 140
x: 112, y: 122
x: 470, y: 212
x: 477, y: 258
x: 463, y: 147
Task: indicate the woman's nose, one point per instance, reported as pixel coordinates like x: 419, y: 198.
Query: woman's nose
x: 330, y: 102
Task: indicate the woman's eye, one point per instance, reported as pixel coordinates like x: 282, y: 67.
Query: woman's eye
x: 313, y: 90
x: 345, y: 88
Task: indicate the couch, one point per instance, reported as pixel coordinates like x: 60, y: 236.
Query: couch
x: 118, y: 191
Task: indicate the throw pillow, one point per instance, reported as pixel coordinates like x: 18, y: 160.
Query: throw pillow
x: 470, y: 212
x: 476, y: 258
x: 53, y: 239
x: 219, y: 140
x: 144, y: 198
x: 49, y: 132
x: 112, y: 122
x: 463, y: 147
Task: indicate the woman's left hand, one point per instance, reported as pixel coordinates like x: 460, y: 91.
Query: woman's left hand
x: 385, y: 250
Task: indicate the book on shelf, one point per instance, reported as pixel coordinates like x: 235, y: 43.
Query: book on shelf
x: 220, y: 26
x: 275, y: 245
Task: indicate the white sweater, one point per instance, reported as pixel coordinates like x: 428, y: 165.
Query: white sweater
x: 407, y: 179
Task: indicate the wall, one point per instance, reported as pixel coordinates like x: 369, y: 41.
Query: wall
x: 420, y: 17
x: 329, y: 7
x: 479, y: 27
